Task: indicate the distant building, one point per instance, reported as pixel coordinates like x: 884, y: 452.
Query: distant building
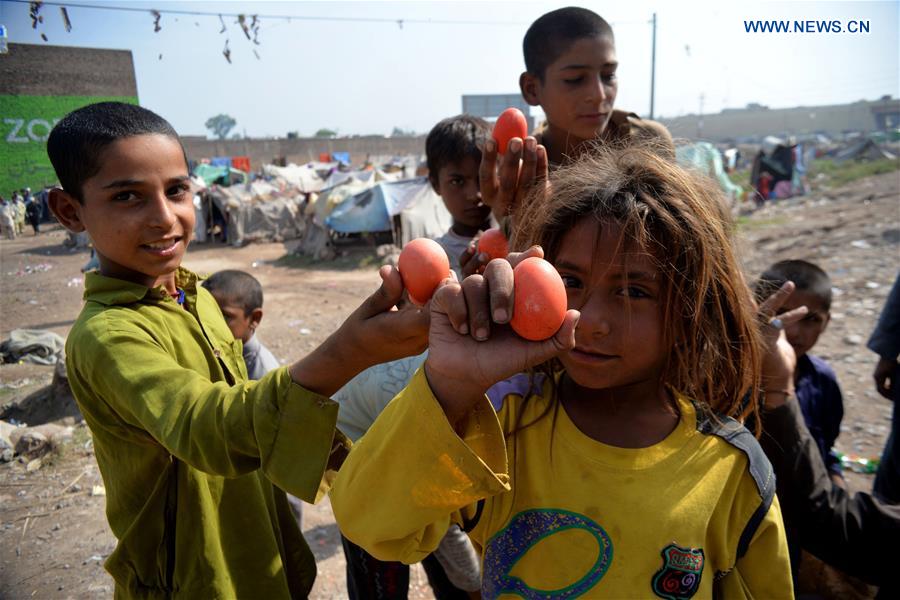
x: 757, y: 121
x: 489, y: 106
x: 40, y: 84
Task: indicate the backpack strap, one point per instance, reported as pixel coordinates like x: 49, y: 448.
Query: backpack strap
x: 469, y: 524
x: 758, y: 464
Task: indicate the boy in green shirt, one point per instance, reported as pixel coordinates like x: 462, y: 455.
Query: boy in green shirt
x: 190, y: 451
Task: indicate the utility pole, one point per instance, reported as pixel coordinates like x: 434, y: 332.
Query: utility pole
x: 653, y: 68
x: 700, y: 119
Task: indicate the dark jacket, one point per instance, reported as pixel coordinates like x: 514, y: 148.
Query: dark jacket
x: 855, y: 533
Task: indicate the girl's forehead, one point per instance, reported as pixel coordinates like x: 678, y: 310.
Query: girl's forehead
x: 605, y: 244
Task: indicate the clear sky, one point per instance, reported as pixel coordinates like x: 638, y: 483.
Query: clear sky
x: 362, y: 77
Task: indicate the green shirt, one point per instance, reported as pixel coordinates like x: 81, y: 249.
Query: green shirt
x: 189, y: 449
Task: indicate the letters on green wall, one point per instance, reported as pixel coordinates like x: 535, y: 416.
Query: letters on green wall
x: 25, y: 124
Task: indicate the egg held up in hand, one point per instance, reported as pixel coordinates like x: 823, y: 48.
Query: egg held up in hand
x: 510, y: 124
x: 423, y: 265
x: 540, y: 302
x: 493, y: 243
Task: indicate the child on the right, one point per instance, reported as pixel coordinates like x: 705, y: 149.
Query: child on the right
x: 815, y: 382
x: 617, y: 468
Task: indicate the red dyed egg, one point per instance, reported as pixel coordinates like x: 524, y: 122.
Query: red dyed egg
x: 510, y: 124
x: 423, y: 265
x: 540, y: 300
x: 493, y: 243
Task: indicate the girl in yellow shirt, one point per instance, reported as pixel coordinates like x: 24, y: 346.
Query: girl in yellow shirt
x: 617, y: 467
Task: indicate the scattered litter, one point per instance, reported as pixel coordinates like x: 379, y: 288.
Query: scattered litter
x: 94, y: 558
x: 862, y: 244
x: 14, y: 385
x: 295, y: 323
x: 75, y: 282
x: 254, y: 264
x: 872, y: 285
x: 853, y: 340
x: 836, y: 291
x: 98, y: 490
x: 305, y: 331
x: 31, y: 269
x: 859, y: 464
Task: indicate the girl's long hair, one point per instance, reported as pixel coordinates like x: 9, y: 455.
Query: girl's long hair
x: 680, y: 219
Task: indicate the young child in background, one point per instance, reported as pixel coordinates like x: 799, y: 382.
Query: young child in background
x: 617, y: 469
x: 453, y: 153
x: 240, y: 297
x: 815, y: 382
x: 189, y: 450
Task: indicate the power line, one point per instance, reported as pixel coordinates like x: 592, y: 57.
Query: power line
x: 195, y: 13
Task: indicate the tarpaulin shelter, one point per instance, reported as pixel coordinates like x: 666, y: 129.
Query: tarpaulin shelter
x: 420, y: 211
x: 259, y: 212
x: 864, y: 150
x: 222, y: 175
x: 241, y: 162
x: 341, y: 157
x: 369, y: 177
x: 704, y: 157
x: 303, y: 178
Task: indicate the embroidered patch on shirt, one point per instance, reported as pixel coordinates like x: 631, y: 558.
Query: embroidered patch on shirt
x: 679, y: 577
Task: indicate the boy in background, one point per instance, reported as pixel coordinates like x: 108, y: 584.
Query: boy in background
x: 570, y: 72
x: 815, y: 383
x: 189, y: 450
x: 453, y: 153
x: 240, y: 297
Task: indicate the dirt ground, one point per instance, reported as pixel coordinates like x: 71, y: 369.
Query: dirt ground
x: 53, y: 532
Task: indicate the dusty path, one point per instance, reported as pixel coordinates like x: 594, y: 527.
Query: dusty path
x: 853, y: 233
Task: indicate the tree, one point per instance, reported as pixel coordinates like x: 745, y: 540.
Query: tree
x: 293, y: 135
x: 220, y: 125
x: 326, y: 133
x: 400, y: 132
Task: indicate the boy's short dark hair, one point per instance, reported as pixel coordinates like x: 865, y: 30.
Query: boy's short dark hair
x: 237, y: 286
x: 554, y: 32
x: 76, y: 142
x: 806, y: 276
x: 454, y: 139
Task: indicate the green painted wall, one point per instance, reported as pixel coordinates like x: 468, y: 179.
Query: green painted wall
x: 25, y: 124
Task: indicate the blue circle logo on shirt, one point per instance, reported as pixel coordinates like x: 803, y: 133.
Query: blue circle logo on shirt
x: 524, y: 531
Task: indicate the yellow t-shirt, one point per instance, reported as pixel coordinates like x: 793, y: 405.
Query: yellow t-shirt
x: 564, y: 515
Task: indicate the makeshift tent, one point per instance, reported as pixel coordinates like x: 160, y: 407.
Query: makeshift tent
x: 776, y: 158
x: 421, y: 211
x: 303, y: 178
x: 211, y: 174
x: 369, y: 177
x: 864, y: 150
x: 241, y: 162
x: 705, y: 158
x: 259, y: 212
